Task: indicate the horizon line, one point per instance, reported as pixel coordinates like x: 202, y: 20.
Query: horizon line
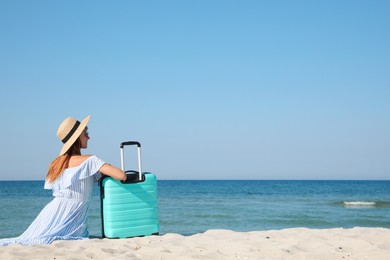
x: 239, y: 180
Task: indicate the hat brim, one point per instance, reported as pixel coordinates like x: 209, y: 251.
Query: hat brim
x: 76, y: 135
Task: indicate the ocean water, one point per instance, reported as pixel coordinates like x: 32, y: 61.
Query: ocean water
x: 188, y: 207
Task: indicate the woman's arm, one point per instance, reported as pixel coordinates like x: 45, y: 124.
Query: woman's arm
x: 113, y: 172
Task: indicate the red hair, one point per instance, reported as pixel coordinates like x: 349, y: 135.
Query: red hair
x: 58, y: 165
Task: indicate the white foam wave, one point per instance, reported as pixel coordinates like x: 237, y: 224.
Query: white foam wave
x: 359, y: 204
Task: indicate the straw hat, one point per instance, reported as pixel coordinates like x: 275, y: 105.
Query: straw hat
x: 69, y: 130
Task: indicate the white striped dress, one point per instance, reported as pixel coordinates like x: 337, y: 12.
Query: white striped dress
x: 65, y: 217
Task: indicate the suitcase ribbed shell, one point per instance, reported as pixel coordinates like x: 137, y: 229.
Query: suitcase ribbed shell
x: 129, y: 210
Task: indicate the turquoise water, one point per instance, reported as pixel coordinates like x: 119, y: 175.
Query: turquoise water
x: 189, y: 207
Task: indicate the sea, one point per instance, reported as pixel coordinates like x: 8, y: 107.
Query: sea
x: 193, y: 206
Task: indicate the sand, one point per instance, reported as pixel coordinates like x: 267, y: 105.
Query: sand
x: 294, y: 243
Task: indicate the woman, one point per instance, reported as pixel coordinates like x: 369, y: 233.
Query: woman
x: 71, y: 176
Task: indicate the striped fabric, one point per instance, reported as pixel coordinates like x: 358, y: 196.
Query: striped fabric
x: 65, y: 217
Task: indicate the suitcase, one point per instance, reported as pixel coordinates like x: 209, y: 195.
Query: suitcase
x: 129, y: 208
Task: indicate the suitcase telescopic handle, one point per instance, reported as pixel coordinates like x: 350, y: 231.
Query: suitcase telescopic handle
x: 139, y: 157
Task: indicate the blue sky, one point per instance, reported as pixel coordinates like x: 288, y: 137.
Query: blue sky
x: 212, y: 89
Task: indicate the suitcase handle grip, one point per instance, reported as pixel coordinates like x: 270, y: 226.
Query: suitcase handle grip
x: 130, y: 143
x: 139, y: 157
x: 133, y: 177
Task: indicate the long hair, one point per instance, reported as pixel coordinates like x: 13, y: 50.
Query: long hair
x: 58, y: 165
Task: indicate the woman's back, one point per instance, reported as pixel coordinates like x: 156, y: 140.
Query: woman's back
x: 77, y: 182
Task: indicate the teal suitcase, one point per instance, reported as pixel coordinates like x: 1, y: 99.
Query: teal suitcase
x: 129, y: 208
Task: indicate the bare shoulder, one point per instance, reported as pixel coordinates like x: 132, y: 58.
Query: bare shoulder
x: 76, y: 160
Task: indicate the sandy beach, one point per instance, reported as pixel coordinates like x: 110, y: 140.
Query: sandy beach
x: 295, y: 243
